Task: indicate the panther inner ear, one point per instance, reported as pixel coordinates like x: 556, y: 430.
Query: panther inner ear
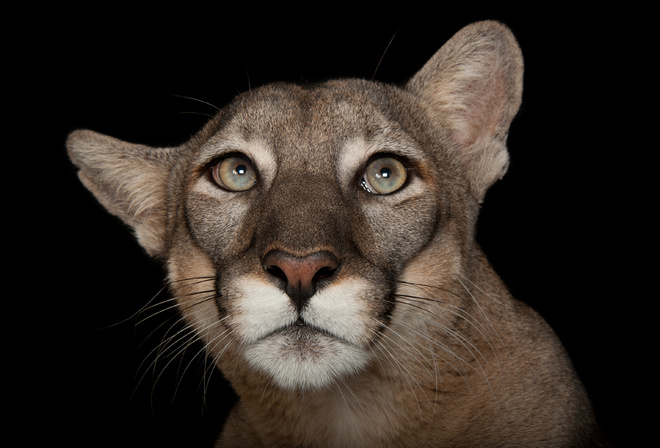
x: 129, y: 180
x: 473, y: 87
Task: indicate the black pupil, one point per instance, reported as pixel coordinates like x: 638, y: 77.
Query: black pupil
x: 385, y: 172
x: 241, y: 169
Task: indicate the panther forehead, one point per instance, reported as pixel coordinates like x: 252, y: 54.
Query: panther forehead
x: 290, y: 116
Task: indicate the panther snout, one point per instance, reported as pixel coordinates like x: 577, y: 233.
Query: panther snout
x: 300, y: 275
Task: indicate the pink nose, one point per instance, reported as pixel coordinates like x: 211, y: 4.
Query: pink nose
x: 300, y: 274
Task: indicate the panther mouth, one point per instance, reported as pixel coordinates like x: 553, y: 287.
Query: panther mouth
x: 305, y: 347
x: 303, y: 332
x: 303, y: 357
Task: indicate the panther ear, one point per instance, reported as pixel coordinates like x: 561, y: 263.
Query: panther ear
x: 129, y: 180
x: 473, y: 87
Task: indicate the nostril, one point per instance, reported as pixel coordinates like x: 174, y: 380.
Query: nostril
x: 324, y: 272
x: 276, y: 271
x: 300, y: 274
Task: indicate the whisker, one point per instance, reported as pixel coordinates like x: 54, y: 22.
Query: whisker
x: 475, y: 353
x: 176, y: 306
x: 205, y: 348
x: 164, y: 346
x: 404, y: 371
x: 149, y: 305
x: 348, y: 406
x: 479, y: 288
x: 460, y: 314
x: 155, y: 314
x: 200, y: 279
x: 138, y: 312
x: 177, y: 348
x: 412, y: 304
x: 174, y: 344
x: 403, y: 339
x: 384, y: 53
x: 198, y: 100
x: 422, y: 287
x: 348, y: 388
x: 214, y: 360
x: 490, y: 323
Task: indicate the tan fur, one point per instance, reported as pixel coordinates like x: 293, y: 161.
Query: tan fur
x: 413, y: 341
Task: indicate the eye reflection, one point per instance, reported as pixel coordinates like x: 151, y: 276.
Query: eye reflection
x: 235, y: 173
x: 384, y: 175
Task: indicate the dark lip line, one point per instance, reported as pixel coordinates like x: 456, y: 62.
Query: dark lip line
x: 300, y: 324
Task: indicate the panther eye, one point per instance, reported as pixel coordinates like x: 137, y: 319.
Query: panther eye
x: 384, y: 175
x: 235, y: 173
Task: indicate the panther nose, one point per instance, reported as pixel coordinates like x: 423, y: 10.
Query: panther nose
x: 300, y: 274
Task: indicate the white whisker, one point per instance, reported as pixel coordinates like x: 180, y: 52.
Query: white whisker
x: 205, y: 349
x: 490, y: 323
x: 199, y: 101
x: 404, y: 372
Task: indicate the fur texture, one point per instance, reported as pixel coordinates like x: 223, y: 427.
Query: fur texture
x: 395, y: 332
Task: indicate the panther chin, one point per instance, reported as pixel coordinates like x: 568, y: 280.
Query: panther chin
x: 300, y: 357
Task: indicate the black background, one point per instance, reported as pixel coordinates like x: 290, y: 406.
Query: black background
x: 567, y: 228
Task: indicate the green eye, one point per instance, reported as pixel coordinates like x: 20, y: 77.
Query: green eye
x: 235, y: 173
x: 384, y: 175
